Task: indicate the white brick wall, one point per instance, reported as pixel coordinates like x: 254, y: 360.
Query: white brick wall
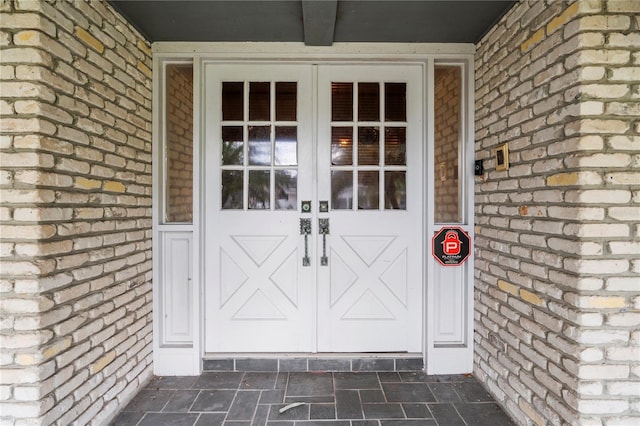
x: 557, y: 237
x: 75, y: 189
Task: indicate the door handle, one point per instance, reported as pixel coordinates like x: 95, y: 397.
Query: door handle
x: 323, y: 229
x: 305, y: 229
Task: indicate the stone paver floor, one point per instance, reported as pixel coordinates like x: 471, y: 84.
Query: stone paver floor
x: 341, y: 399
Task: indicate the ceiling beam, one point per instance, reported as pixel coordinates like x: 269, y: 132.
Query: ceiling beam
x: 319, y: 21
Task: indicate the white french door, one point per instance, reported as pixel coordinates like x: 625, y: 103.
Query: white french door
x: 258, y: 165
x: 370, y: 169
x: 346, y: 142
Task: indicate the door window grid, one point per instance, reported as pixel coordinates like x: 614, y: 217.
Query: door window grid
x: 259, y: 146
x: 369, y: 153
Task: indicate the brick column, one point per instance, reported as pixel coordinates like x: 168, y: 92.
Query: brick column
x: 75, y: 188
x: 557, y: 268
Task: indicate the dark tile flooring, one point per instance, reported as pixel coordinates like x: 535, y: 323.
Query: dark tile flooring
x: 341, y: 399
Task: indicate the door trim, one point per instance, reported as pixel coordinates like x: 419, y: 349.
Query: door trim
x: 299, y: 51
x: 187, y: 359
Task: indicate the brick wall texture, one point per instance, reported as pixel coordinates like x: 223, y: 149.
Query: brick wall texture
x: 557, y: 305
x: 75, y: 187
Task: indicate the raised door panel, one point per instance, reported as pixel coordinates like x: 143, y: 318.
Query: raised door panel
x: 177, y: 318
x: 260, y: 303
x: 450, y: 304
x: 367, y: 301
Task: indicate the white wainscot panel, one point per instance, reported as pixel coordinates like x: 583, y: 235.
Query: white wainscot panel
x: 177, y: 307
x: 450, y: 303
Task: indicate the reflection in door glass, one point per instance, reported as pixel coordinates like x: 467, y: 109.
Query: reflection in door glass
x: 341, y: 190
x: 232, y: 145
x: 368, y: 101
x: 286, y: 189
x: 286, y: 101
x: 259, y: 145
x: 259, y: 104
x: 341, y: 146
x: 341, y: 101
x: 395, y: 146
x: 232, y: 189
x: 368, y: 190
x: 286, y: 146
x: 232, y: 100
x: 395, y: 105
x: 368, y: 146
x: 395, y: 190
x: 259, y: 197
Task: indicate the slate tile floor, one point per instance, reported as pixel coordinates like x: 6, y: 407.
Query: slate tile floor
x: 340, y: 399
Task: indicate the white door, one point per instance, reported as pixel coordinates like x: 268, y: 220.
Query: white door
x: 258, y: 165
x: 370, y: 170
x: 361, y: 169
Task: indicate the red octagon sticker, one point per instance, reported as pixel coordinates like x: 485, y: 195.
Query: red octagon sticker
x: 451, y: 246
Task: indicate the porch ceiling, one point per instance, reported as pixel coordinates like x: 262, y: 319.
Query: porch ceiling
x: 314, y: 22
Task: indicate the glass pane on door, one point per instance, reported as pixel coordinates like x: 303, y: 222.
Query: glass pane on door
x: 232, y: 182
x: 341, y: 146
x: 368, y: 190
x: 286, y: 189
x: 259, y: 145
x: 368, y: 146
x: 395, y: 147
x: 286, y: 153
x: 259, y: 101
x: 286, y: 101
x: 395, y: 96
x: 395, y: 190
x: 368, y: 102
x: 232, y: 145
x: 342, y: 102
x: 341, y: 190
x: 259, y: 194
x: 232, y: 100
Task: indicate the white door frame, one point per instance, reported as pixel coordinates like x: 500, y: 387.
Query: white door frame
x: 185, y: 358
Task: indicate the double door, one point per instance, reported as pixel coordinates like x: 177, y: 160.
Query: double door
x: 313, y: 208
